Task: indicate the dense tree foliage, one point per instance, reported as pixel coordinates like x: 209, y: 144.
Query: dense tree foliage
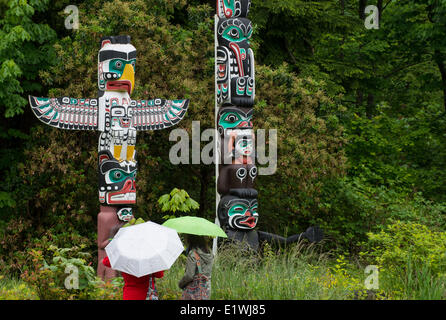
x: 360, y: 114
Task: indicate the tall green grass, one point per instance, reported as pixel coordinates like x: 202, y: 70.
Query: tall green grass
x: 413, y: 281
x: 300, y: 272
x: 14, y: 289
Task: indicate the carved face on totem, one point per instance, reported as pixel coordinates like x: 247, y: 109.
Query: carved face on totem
x: 238, y: 147
x: 233, y: 8
x: 116, y: 180
x: 236, y: 176
x: 243, y: 146
x: 230, y: 118
x: 125, y: 214
x: 235, y: 63
x: 116, y: 64
x: 120, y: 117
x: 238, y: 210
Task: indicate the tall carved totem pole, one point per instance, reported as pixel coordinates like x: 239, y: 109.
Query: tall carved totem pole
x: 118, y: 118
x: 237, y: 209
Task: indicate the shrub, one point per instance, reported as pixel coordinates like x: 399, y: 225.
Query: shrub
x: 402, y: 242
x: 412, y: 260
x: 68, y: 276
x: 18, y: 235
x: 352, y: 208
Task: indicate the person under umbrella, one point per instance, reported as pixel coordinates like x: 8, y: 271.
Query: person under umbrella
x: 196, y: 282
x: 135, y: 288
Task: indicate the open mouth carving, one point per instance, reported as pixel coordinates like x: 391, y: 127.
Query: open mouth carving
x: 125, y: 196
x: 122, y: 197
x: 119, y: 85
x: 249, y: 222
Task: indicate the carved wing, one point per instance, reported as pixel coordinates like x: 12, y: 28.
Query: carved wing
x: 66, y: 113
x: 157, y: 114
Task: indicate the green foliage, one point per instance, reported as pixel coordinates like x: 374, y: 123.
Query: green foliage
x: 412, y: 259
x: 25, y: 49
x: 133, y: 222
x: 353, y: 208
x: 301, y: 272
x: 310, y: 148
x: 392, y: 152
x: 16, y: 290
x: 67, y: 277
x: 402, y: 242
x: 360, y: 116
x: 177, y: 200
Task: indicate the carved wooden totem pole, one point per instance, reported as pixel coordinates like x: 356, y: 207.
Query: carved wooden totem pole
x: 237, y: 210
x: 118, y: 118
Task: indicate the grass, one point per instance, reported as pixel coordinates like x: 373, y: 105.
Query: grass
x: 13, y: 289
x: 300, y: 272
x: 414, y: 282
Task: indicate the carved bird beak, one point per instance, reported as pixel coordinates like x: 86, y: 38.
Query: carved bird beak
x: 129, y: 75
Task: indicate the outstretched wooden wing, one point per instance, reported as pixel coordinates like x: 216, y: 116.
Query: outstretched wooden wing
x: 66, y: 113
x: 157, y: 114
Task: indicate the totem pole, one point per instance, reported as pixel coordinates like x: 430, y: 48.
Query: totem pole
x: 118, y: 118
x: 237, y: 207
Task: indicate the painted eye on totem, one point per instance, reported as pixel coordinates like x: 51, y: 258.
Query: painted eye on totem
x: 116, y: 175
x: 236, y: 210
x: 232, y: 117
x: 118, y: 64
x: 133, y: 64
x: 234, y: 34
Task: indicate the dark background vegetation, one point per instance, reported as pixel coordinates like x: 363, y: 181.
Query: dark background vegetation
x: 361, y: 115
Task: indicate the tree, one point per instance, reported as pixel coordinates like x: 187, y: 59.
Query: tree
x: 25, y: 49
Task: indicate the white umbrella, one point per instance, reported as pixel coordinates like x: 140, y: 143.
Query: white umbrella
x: 144, y: 248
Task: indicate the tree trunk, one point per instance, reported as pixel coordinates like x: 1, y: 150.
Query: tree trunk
x: 341, y: 54
x: 380, y: 9
x: 359, y: 97
x: 369, y: 111
x: 361, y: 8
x: 440, y: 61
x: 204, y: 184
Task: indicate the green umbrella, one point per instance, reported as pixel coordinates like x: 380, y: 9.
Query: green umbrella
x: 195, y: 225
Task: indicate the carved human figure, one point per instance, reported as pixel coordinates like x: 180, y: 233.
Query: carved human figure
x: 238, y: 215
x: 237, y: 210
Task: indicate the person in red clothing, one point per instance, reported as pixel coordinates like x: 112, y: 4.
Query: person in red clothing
x: 135, y: 288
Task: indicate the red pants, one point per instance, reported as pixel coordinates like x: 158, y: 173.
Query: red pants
x: 135, y: 288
